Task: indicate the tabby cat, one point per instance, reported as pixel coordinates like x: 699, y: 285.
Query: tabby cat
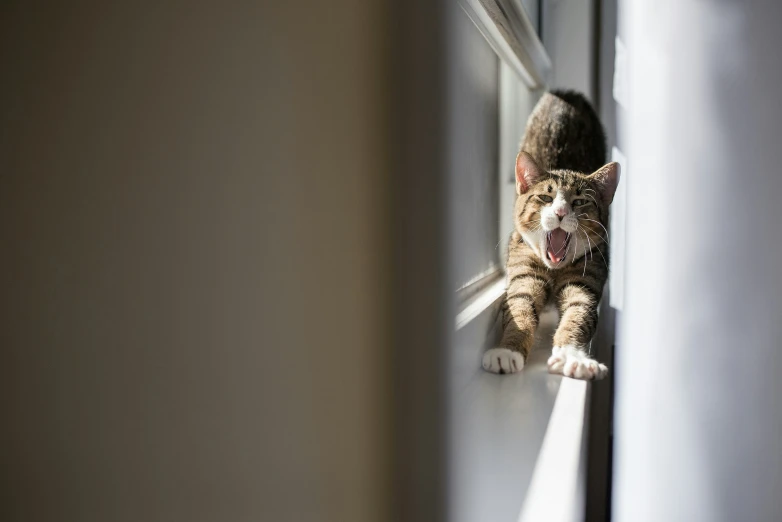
x: 559, y: 249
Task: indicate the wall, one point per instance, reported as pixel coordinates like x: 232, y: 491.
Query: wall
x: 697, y: 382
x: 569, y: 35
x: 193, y: 303
x: 607, y: 341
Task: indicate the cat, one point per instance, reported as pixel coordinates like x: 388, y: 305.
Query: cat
x: 558, y: 250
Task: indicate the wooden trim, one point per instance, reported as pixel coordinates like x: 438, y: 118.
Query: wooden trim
x: 508, y: 29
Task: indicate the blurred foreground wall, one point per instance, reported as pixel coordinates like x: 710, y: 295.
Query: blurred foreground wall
x: 195, y: 229
x: 698, y: 411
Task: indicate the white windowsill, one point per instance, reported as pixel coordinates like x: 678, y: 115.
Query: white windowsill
x: 514, y: 437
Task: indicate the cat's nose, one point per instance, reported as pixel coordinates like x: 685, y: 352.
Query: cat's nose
x: 561, y: 212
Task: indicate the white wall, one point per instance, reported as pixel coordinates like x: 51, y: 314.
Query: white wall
x: 569, y: 36
x: 698, y: 417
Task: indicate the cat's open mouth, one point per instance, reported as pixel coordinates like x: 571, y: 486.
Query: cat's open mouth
x: 556, y: 245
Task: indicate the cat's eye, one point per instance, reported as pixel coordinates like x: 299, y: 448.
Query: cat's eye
x: 547, y: 199
x: 579, y: 202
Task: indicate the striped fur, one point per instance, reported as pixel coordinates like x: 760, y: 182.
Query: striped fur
x: 567, y: 190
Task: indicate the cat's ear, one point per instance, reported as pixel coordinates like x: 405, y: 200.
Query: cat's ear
x: 527, y: 172
x: 607, y: 178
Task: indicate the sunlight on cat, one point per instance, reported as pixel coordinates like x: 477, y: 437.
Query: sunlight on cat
x: 502, y: 360
x: 572, y: 361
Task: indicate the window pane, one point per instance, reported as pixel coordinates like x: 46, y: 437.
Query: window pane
x: 474, y: 146
x: 516, y: 104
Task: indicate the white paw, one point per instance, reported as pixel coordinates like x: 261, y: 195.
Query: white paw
x: 502, y: 360
x: 572, y: 361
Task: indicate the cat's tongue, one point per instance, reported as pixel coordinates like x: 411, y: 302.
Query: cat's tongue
x: 557, y: 241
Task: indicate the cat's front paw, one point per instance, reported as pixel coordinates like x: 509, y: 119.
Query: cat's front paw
x: 572, y: 361
x: 502, y: 360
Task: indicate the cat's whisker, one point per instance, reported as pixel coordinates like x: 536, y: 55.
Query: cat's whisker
x: 604, y: 228
x: 595, y: 232
x: 568, y: 246
x: 575, y: 250
x: 591, y: 256
x: 596, y: 247
x: 591, y: 249
x: 601, y: 255
x: 585, y: 259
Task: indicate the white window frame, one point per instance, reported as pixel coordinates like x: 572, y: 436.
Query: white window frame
x: 559, y: 462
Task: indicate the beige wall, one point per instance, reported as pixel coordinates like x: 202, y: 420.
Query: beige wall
x: 193, y: 289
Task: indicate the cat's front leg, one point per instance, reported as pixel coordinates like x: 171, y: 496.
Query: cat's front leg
x: 525, y: 298
x: 569, y: 357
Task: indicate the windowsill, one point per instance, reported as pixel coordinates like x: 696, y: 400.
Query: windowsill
x: 512, y: 435
x: 483, y: 294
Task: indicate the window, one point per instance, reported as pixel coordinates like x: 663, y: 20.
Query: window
x: 497, y: 69
x: 496, y: 73
x: 473, y: 135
